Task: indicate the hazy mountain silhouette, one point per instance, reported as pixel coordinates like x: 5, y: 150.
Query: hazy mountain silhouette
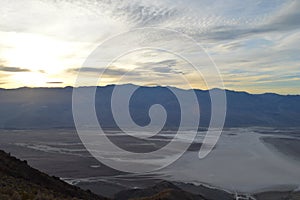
x: 52, y: 107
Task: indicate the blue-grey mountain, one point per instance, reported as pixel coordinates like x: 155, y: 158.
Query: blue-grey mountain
x: 52, y: 107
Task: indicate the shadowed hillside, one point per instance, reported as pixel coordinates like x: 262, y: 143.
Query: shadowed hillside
x: 168, y: 191
x: 18, y: 181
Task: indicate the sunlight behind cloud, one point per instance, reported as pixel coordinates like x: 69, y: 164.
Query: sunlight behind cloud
x: 36, y: 52
x: 30, y: 79
x: 54, y: 37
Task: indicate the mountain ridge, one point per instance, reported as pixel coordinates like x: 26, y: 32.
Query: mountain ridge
x: 26, y: 108
x: 145, y: 86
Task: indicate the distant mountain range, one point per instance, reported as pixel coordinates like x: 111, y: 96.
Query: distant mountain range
x: 52, y: 107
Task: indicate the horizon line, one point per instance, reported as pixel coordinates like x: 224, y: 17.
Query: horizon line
x: 148, y: 86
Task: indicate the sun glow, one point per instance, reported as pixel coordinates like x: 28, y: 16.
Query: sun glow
x: 36, y: 52
x: 30, y: 79
x: 43, y: 60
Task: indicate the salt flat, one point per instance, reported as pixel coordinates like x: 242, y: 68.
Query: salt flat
x: 244, y: 159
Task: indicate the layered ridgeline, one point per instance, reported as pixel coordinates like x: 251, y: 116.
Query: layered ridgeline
x: 52, y: 107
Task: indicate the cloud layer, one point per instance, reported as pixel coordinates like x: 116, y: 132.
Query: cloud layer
x: 255, y: 44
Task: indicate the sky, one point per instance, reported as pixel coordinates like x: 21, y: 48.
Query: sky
x: 254, y: 43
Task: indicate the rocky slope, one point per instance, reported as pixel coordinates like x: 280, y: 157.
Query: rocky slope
x: 169, y: 191
x: 19, y: 181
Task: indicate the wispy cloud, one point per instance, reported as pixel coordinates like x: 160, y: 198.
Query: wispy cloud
x: 105, y: 71
x: 12, y: 69
x: 252, y: 42
x: 55, y: 82
x: 286, y: 20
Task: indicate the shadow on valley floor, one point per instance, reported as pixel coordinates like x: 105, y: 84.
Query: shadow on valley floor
x: 19, y: 181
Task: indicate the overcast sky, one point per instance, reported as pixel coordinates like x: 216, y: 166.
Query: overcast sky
x: 254, y: 43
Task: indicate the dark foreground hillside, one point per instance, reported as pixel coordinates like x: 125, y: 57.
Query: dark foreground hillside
x: 169, y: 191
x: 19, y: 181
